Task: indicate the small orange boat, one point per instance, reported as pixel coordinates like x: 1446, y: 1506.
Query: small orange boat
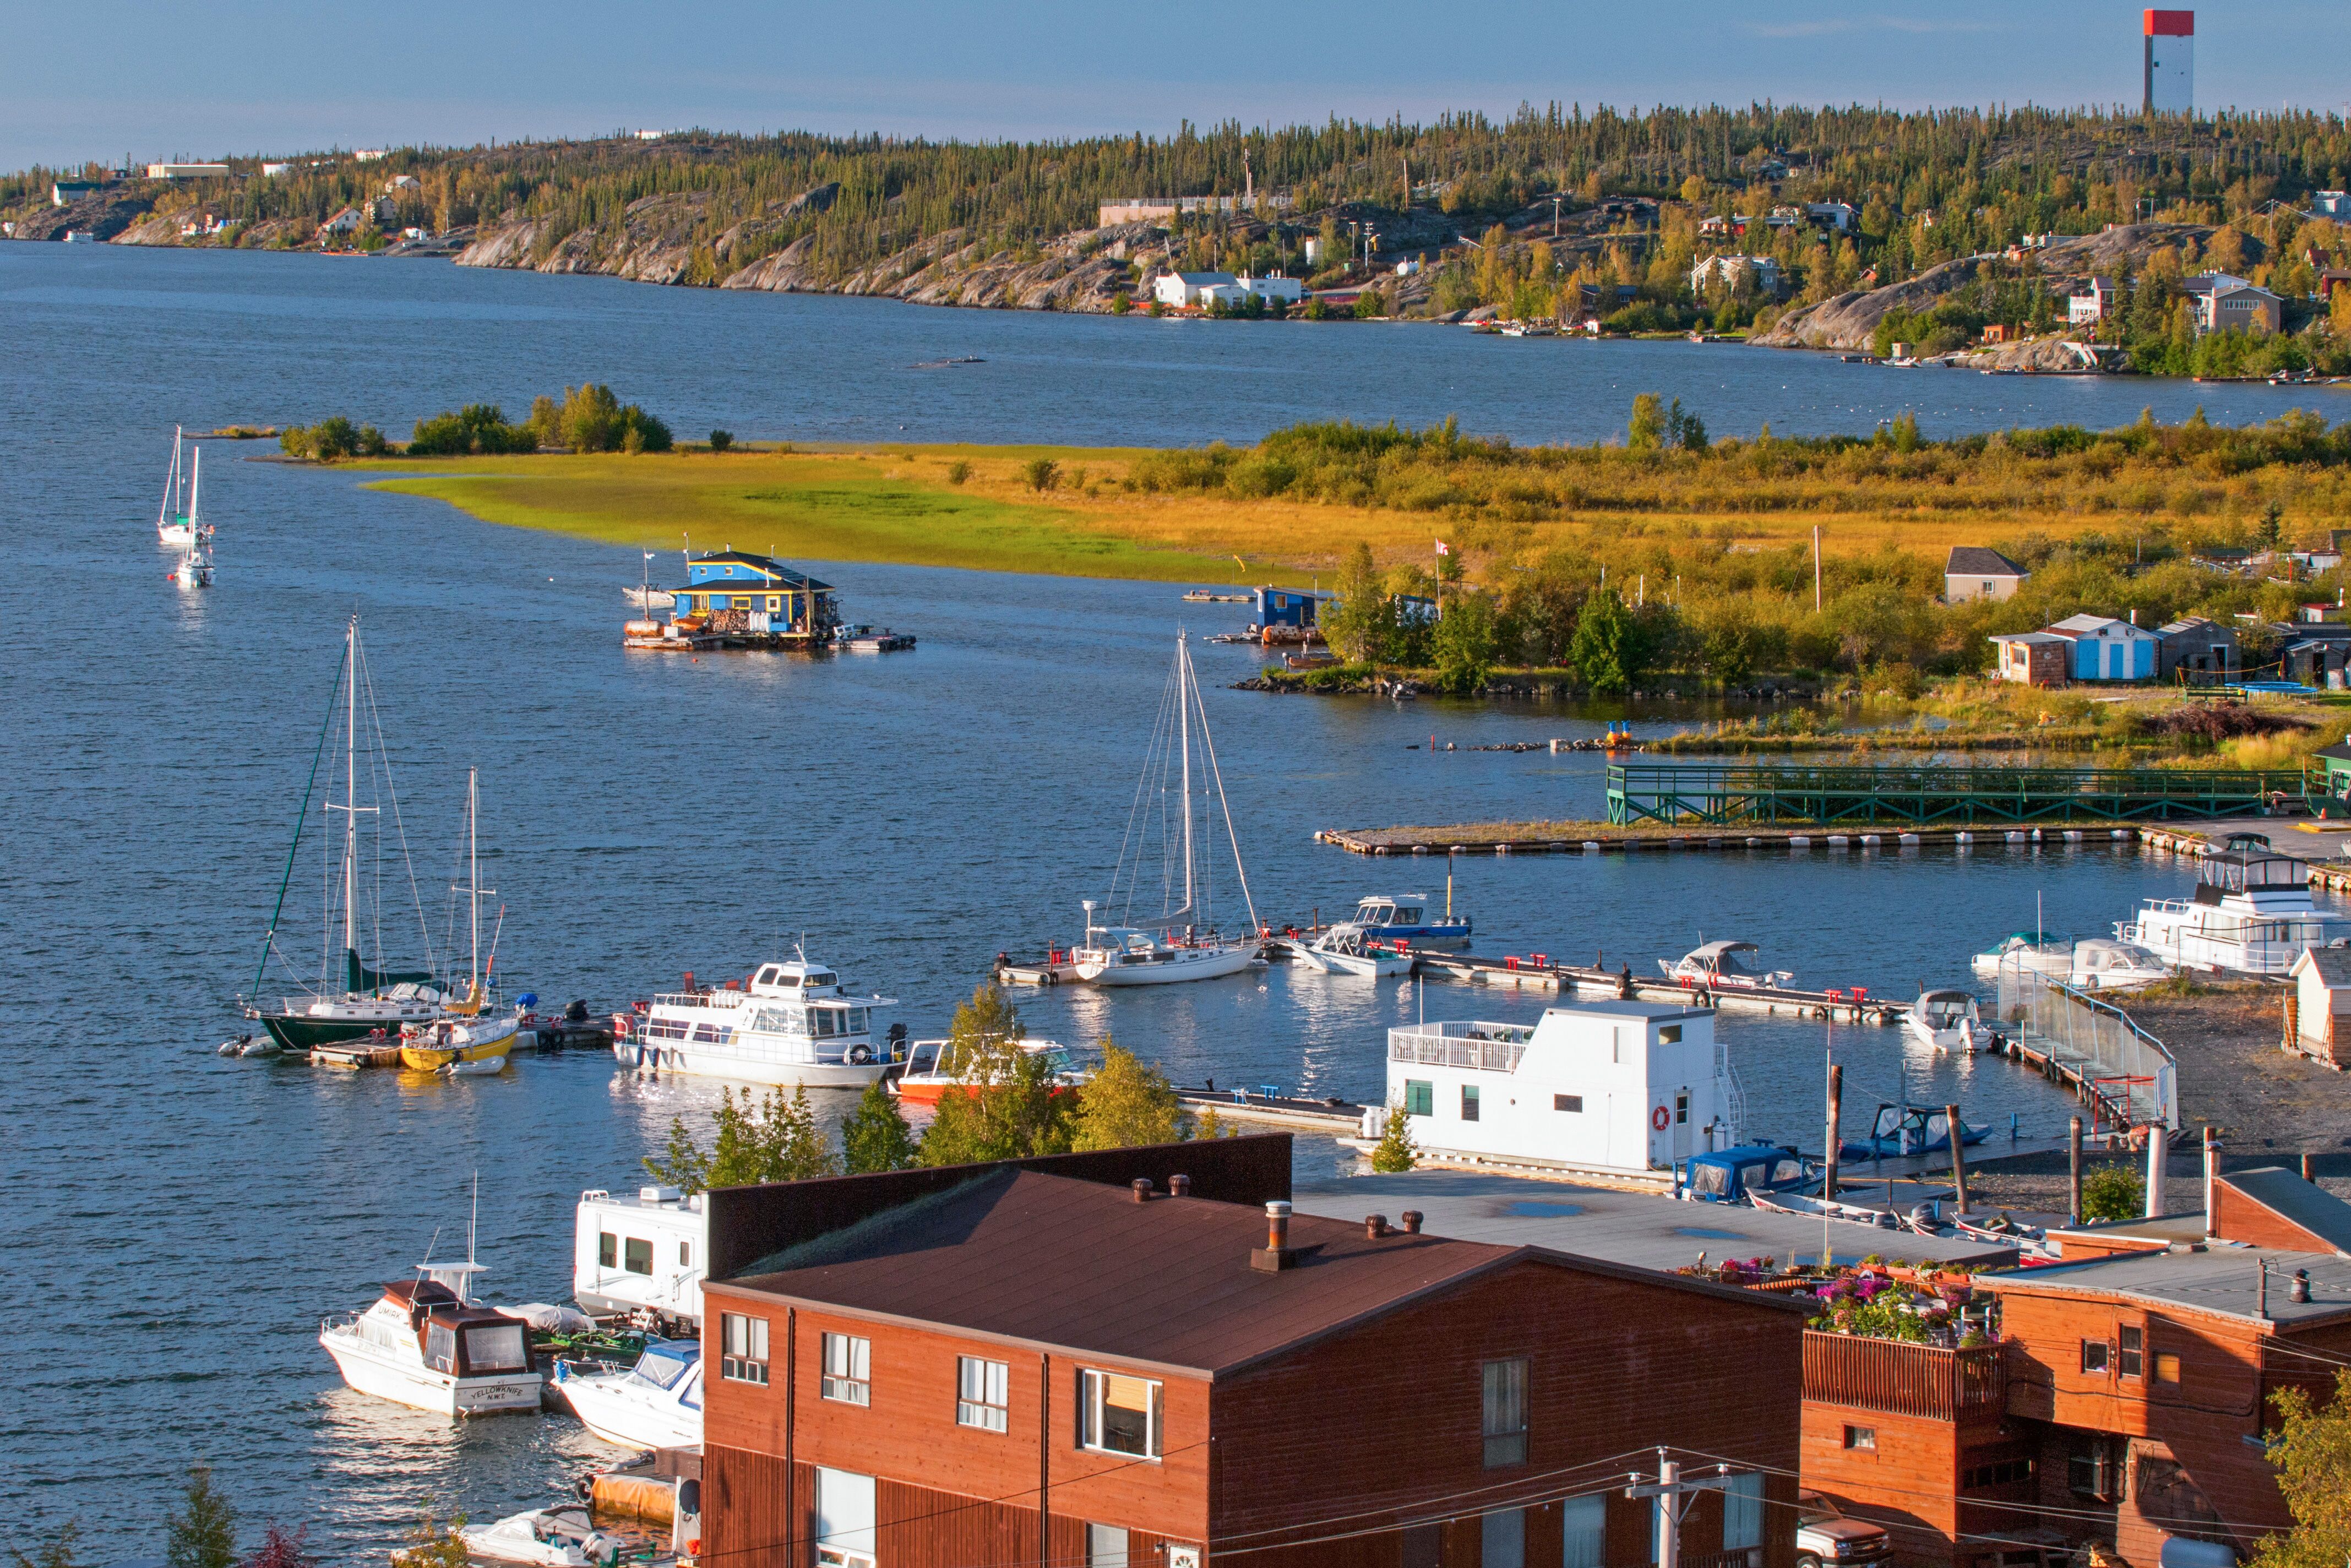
x: 932, y: 1072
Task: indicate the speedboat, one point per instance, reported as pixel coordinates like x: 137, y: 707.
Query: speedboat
x: 932, y: 1071
x: 424, y: 1343
x: 1902, y: 1130
x: 2102, y: 963
x: 1406, y: 916
x: 560, y: 1537
x: 656, y: 1404
x: 791, y: 1022
x: 1945, y: 1020
x: 2036, y: 952
x: 1350, y: 949
x: 1717, y: 966
x: 2251, y: 913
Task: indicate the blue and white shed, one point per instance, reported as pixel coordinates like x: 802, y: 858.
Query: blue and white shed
x: 2105, y: 649
x: 1284, y: 607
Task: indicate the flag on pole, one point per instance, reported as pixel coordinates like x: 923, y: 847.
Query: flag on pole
x: 1441, y: 548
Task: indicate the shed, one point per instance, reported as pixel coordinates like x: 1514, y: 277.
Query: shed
x: 2196, y: 647
x: 2322, y: 996
x: 1284, y: 607
x: 1976, y: 572
x: 2105, y: 649
x: 2032, y: 658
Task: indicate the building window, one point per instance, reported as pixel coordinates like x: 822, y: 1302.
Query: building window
x: 1567, y: 1101
x: 1468, y: 1102
x: 1506, y: 1412
x: 742, y: 1348
x: 1118, y: 1415
x: 608, y: 1249
x: 2090, y: 1468
x: 1670, y: 1035
x: 844, y: 1519
x: 1583, y: 1532
x: 2005, y: 1472
x: 2129, y: 1356
x: 1742, y: 1512
x: 1681, y: 1110
x: 2167, y: 1366
x: 2094, y: 1355
x: 981, y: 1396
x: 1105, y: 1546
x: 1861, y: 1439
x: 637, y: 1256
x: 848, y: 1369
x: 1419, y: 1099
x: 773, y: 603
x: 1502, y: 1538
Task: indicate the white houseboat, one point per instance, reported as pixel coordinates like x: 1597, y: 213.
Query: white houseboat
x: 424, y: 1343
x: 790, y: 1023
x: 2251, y: 913
x: 641, y: 1255
x: 1618, y: 1090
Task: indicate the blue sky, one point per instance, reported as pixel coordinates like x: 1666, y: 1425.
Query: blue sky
x: 153, y: 80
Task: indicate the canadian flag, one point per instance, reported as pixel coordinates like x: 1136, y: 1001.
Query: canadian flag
x: 1443, y: 549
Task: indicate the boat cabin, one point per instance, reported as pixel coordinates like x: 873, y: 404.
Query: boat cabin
x: 1620, y: 1087
x: 2254, y: 872
x: 1944, y: 1010
x: 454, y: 1338
x: 1728, y: 1175
x: 640, y: 1253
x: 753, y: 593
x: 1377, y: 911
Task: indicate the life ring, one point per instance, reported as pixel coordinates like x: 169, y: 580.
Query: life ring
x: 1660, y: 1118
x: 859, y: 1055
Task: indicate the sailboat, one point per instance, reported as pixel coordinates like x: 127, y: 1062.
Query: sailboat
x: 463, y: 1036
x: 1182, y: 943
x: 195, y: 568
x: 176, y: 527
x: 369, y: 1001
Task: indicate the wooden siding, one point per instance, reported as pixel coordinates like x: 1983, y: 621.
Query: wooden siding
x: 1902, y: 1379
x: 1908, y: 1482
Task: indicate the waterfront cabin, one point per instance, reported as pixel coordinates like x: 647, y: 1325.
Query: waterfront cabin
x: 2033, y: 658
x: 1611, y: 1089
x: 1284, y: 607
x: 735, y: 590
x: 1976, y: 572
x: 2105, y: 649
x: 2322, y: 978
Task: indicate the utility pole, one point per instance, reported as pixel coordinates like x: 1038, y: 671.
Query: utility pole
x: 1673, y: 1495
x: 1816, y: 569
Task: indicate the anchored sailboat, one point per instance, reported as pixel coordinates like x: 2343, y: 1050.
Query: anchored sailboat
x: 369, y: 1001
x: 464, y: 1034
x: 1182, y: 943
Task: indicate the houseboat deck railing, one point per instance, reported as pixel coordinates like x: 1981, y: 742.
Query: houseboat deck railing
x: 1494, y: 1048
x: 1926, y: 794
x: 1901, y: 1378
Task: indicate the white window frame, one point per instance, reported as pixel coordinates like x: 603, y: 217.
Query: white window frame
x: 1091, y: 1386
x: 742, y: 1348
x: 983, y: 1393
x: 847, y: 1369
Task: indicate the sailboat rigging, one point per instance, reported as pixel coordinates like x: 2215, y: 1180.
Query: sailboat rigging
x: 464, y: 1034
x: 1181, y: 942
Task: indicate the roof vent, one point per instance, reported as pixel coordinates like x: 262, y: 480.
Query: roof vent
x: 1412, y: 1222
x: 1179, y: 1187
x: 1275, y: 1255
x: 1374, y: 1227
x: 1142, y: 1186
x: 2299, y: 1290
x: 658, y: 1195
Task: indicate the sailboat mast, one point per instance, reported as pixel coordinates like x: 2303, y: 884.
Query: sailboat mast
x: 171, y: 482
x: 351, y: 785
x: 1184, y: 729
x: 196, y: 492
x: 473, y: 871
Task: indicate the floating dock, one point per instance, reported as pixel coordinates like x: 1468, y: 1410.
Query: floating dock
x: 1570, y: 839
x: 1268, y: 1104
x: 1537, y: 971
x: 1925, y: 795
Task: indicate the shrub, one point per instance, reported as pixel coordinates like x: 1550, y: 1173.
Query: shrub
x: 1042, y: 473
x: 958, y: 471
x: 478, y: 429
x: 2113, y: 1192
x: 720, y: 439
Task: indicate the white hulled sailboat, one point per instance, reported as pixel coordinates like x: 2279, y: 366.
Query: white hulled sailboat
x: 466, y: 1033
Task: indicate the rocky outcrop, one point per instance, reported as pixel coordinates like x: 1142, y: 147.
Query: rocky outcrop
x: 2043, y: 356
x: 100, y: 213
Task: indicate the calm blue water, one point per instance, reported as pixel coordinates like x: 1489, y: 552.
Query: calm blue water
x: 180, y: 1222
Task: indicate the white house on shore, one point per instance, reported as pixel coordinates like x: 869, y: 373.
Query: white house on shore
x: 1186, y: 290
x: 1606, y: 1088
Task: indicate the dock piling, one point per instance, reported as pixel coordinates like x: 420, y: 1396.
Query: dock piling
x: 2159, y: 1155
x: 2073, y: 1161
x: 1958, y: 1160
x: 1835, y: 1133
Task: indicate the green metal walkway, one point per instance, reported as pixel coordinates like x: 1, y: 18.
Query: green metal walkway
x: 1750, y: 792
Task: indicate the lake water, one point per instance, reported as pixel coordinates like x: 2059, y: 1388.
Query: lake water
x: 179, y: 1222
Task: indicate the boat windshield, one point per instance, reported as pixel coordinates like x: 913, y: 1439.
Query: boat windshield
x: 1370, y: 914
x: 1709, y: 1180
x: 663, y: 1364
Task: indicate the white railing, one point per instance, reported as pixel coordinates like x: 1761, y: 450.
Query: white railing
x: 1485, y: 1047
x: 2093, y: 1040
x: 700, y: 998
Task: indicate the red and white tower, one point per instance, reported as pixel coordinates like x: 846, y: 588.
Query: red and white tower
x: 2170, y: 62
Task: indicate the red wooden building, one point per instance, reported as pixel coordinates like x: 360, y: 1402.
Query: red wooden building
x: 927, y: 1357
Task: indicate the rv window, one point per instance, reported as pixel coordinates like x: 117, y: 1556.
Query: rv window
x: 1567, y: 1101
x: 1670, y: 1035
x: 638, y: 1256
x: 1505, y: 1398
x: 608, y: 1249
x: 1468, y: 1102
x: 495, y: 1347
x: 1419, y: 1098
x: 848, y: 1369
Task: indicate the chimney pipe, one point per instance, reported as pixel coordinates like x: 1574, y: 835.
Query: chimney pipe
x: 1275, y: 1255
x: 2310, y: 1168
x: 1375, y: 1227
x: 1142, y: 1186
x: 1412, y: 1222
x: 2299, y: 1290
x: 2211, y: 1180
x: 2159, y: 1155
x: 1179, y: 1187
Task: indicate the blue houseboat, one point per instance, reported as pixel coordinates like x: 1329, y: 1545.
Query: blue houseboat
x: 1284, y: 607
x: 738, y: 595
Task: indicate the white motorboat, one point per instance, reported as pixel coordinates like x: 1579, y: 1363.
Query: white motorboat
x: 2103, y: 964
x: 560, y: 1537
x: 1944, y: 1020
x: 1717, y: 966
x: 1348, y: 948
x: 477, y: 1067
x: 424, y: 1343
x: 791, y: 1022
x: 1182, y: 942
x: 2037, y: 952
x: 656, y: 1404
x: 933, y: 1071
x: 2251, y: 913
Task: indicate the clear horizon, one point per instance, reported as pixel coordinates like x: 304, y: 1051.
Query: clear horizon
x: 271, y: 79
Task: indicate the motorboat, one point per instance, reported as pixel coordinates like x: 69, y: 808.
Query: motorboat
x: 2104, y: 963
x: 1348, y: 948
x: 560, y: 1537
x: 2036, y: 952
x: 465, y: 1035
x: 641, y: 1256
x: 656, y: 1404
x: 860, y: 638
x: 1944, y: 1020
x: 1900, y: 1130
x: 2251, y: 913
x: 1718, y: 966
x: 426, y: 1344
x: 2032, y: 1243
x: 1182, y: 942
x: 933, y: 1073
x: 791, y: 1022
x: 1407, y: 918
x: 1811, y: 1206
x: 1727, y: 1175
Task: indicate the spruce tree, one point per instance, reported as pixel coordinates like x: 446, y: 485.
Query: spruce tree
x: 1395, y: 1151
x: 875, y: 1137
x: 205, y: 1536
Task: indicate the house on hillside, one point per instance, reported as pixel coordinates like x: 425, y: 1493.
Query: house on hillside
x: 1192, y: 290
x: 2105, y: 649
x: 2222, y: 302
x: 343, y: 225
x: 2093, y: 302
x: 1976, y: 572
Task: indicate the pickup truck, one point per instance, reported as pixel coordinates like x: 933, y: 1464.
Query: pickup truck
x: 1827, y: 1539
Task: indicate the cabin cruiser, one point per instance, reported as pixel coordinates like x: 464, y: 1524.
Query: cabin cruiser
x: 1717, y: 966
x: 2100, y: 962
x: 426, y: 1344
x: 1901, y: 1130
x: 932, y: 1071
x: 1728, y: 1175
x: 641, y: 1256
x: 2038, y: 952
x: 790, y: 1023
x: 656, y: 1404
x: 1408, y: 916
x: 1349, y: 948
x: 1944, y: 1020
x: 2251, y: 913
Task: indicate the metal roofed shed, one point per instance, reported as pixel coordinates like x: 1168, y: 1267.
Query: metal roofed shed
x: 2322, y: 1004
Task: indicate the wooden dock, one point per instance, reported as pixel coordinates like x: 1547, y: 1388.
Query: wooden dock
x: 1539, y: 971
x: 1591, y: 839
x: 1267, y: 1104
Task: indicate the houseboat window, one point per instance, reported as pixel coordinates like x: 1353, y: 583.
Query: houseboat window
x: 1742, y: 1512
x: 2167, y: 1367
x: 1583, y: 1532
x: 743, y: 1348
x: 1468, y: 1102
x: 775, y: 603
x: 1419, y: 1098
x: 982, y: 1397
x: 767, y: 975
x: 608, y: 1249
x: 1105, y: 1546
x: 495, y: 1347
x: 1567, y: 1101
x: 637, y: 1256
x: 1861, y: 1439
x: 2130, y: 1357
x: 2094, y: 1355
x: 1670, y: 1035
x: 1118, y: 1415
x: 844, y: 1519
x: 1502, y: 1538
x: 848, y: 1369
x: 1681, y: 1109
x: 1506, y: 1412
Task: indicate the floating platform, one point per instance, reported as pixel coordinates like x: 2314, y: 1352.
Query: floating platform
x: 356, y: 1054
x: 1267, y: 1104
x: 1571, y: 838
x: 1202, y: 596
x: 1538, y: 972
